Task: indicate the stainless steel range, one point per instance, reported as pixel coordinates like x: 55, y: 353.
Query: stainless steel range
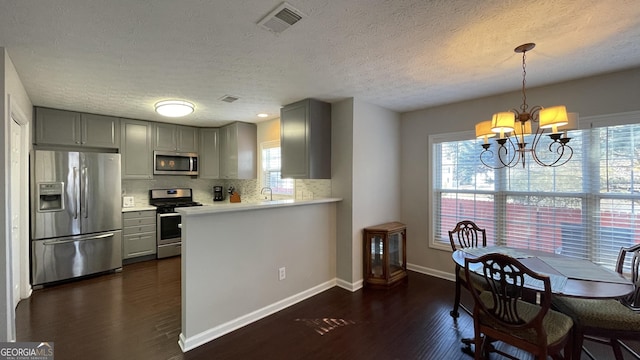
x: 169, y: 239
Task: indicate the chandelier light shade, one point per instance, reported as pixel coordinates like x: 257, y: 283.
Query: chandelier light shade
x: 484, y: 131
x: 174, y: 108
x: 522, y: 129
x: 516, y: 127
x: 503, y: 122
x: 552, y: 117
x: 572, y: 123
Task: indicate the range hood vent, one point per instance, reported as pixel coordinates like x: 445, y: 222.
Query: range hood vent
x: 280, y: 19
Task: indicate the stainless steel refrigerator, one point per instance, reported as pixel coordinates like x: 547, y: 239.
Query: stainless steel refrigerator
x: 76, y: 215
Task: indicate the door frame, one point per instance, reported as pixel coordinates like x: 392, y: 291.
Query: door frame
x: 20, y: 254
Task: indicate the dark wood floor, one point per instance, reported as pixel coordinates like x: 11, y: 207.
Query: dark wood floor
x: 135, y: 314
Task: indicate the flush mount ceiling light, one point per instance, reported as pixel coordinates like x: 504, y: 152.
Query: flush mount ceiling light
x: 174, y: 108
x: 263, y: 115
x: 514, y: 125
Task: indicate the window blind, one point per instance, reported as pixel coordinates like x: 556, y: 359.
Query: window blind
x: 587, y: 208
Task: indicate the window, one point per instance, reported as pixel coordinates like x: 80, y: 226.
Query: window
x: 587, y: 208
x: 270, y: 174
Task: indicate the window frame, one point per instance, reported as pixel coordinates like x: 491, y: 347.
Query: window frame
x: 590, y: 195
x: 261, y: 174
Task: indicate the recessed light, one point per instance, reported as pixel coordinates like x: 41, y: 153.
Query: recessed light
x: 263, y: 115
x: 174, y: 108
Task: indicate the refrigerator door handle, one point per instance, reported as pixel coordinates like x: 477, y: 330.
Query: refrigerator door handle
x: 75, y: 191
x: 85, y: 201
x: 69, y: 240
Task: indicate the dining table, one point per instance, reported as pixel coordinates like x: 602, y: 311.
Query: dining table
x: 569, y: 276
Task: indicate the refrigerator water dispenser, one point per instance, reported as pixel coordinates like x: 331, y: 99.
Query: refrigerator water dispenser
x: 50, y: 197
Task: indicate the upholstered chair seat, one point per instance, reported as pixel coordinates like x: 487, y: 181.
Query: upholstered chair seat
x: 556, y: 324
x: 501, y: 313
x: 604, y: 314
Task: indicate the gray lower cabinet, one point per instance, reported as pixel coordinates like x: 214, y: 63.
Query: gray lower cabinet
x: 305, y: 140
x: 171, y: 137
x: 61, y: 127
x: 209, y: 154
x: 136, y: 149
x: 238, y: 151
x: 138, y: 233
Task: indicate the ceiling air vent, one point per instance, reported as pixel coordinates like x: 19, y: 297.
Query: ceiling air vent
x: 229, y: 98
x: 281, y: 18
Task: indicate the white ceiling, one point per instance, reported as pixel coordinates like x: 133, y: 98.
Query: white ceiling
x: 119, y: 57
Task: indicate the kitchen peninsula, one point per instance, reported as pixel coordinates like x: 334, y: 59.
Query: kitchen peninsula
x: 242, y: 262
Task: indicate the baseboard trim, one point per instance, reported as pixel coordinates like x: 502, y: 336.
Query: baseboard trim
x: 432, y: 272
x: 204, y: 337
x: 353, y: 287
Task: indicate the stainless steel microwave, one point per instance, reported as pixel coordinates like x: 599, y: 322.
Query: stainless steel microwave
x: 175, y: 163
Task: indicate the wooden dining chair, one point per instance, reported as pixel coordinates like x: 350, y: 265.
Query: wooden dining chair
x: 501, y: 314
x: 607, y: 321
x: 466, y: 234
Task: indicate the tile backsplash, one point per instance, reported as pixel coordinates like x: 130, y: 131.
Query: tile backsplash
x: 203, y: 188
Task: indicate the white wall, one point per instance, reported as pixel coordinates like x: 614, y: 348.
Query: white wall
x: 365, y: 174
x: 12, y: 90
x: 606, y: 94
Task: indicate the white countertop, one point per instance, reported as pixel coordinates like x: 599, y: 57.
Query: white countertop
x: 242, y: 206
x: 139, y: 208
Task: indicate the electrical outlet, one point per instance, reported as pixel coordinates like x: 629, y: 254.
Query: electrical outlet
x: 127, y: 201
x: 282, y: 273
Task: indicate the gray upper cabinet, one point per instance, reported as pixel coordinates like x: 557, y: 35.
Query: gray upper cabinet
x: 57, y: 127
x: 187, y: 138
x: 238, y: 151
x: 209, y: 155
x: 170, y: 137
x: 136, y: 149
x: 100, y: 131
x: 305, y: 140
x: 60, y: 127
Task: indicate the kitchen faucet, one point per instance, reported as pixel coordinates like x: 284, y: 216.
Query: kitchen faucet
x: 270, y: 192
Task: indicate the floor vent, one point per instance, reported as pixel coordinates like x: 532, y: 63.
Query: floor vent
x: 280, y: 19
x: 229, y: 98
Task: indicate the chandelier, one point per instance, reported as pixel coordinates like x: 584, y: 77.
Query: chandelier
x: 514, y: 127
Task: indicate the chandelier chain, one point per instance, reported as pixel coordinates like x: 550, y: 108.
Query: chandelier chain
x: 524, y: 105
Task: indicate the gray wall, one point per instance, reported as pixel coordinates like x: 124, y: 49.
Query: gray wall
x: 341, y: 185
x: 606, y: 94
x: 231, y: 261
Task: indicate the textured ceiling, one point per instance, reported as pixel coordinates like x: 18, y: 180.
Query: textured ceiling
x: 119, y: 57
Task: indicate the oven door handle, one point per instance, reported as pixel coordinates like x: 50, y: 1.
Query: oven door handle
x: 168, y: 214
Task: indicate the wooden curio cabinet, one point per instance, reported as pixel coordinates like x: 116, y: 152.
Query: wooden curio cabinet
x: 385, y: 255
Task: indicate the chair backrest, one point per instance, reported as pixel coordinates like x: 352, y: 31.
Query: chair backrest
x: 467, y: 234
x: 632, y: 300
x: 504, y: 277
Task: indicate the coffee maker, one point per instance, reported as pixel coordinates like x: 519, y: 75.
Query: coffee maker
x: 218, y: 193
